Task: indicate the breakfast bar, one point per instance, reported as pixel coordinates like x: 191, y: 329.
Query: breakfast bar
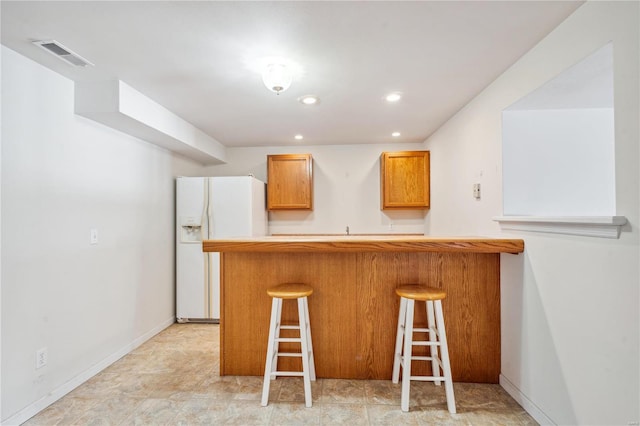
x: 354, y: 308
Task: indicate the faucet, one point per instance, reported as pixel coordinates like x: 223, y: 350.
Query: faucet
x: 347, y: 229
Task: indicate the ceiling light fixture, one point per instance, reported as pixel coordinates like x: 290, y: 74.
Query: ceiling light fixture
x: 393, y: 97
x: 395, y: 134
x: 298, y: 137
x: 277, y: 77
x: 309, y: 100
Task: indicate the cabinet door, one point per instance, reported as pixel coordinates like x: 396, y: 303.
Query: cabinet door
x: 290, y: 182
x: 404, y: 180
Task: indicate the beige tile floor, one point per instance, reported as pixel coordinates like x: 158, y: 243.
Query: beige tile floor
x: 173, y: 379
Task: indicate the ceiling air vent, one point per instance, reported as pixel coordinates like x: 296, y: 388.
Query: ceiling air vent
x: 62, y: 52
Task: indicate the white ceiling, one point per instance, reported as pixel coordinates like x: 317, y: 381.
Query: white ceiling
x: 197, y: 59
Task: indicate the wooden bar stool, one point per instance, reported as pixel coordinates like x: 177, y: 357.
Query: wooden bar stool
x: 308, y: 373
x: 437, y: 338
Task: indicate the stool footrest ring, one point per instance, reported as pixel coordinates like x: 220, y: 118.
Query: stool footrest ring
x: 427, y: 378
x: 425, y: 343
x: 423, y: 358
x: 293, y: 354
x: 288, y: 373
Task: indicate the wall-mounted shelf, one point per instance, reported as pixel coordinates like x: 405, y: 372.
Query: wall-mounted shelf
x: 589, y: 226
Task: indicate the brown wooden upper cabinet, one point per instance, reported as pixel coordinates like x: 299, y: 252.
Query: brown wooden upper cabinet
x: 404, y: 180
x: 290, y: 182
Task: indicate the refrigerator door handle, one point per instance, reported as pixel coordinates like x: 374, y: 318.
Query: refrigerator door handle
x: 204, y: 228
x: 204, y: 234
x: 209, y: 217
x: 207, y: 234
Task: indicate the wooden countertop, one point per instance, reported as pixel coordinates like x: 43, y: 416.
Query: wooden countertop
x: 365, y: 243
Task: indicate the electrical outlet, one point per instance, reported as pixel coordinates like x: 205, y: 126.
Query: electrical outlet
x: 41, y: 358
x: 476, y: 191
x: 94, y: 236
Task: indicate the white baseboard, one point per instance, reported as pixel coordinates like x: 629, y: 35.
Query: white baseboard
x: 39, y: 405
x: 531, y: 408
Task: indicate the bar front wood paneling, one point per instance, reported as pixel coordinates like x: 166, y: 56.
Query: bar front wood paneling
x: 354, y: 307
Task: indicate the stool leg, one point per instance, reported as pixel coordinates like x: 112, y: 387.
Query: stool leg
x: 270, y: 351
x: 397, y: 355
x: 431, y: 323
x: 446, y: 367
x: 312, y: 362
x: 406, y: 356
x: 304, y: 342
x: 276, y: 348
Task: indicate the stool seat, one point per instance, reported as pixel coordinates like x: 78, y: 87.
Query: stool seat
x: 422, y: 293
x: 290, y: 291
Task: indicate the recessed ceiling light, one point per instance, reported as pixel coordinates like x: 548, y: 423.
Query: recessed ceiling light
x: 299, y: 137
x: 395, y: 134
x: 393, y: 97
x: 309, y: 100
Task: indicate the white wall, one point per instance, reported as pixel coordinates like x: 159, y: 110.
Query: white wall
x: 346, y: 189
x: 61, y: 176
x: 0, y: 245
x: 570, y: 324
x: 558, y: 162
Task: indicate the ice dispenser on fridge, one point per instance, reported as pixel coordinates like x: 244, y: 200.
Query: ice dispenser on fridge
x: 191, y: 229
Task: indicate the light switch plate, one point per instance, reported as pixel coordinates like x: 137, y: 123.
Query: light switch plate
x: 42, y: 357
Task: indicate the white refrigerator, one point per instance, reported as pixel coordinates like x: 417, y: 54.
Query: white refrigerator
x: 208, y: 208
